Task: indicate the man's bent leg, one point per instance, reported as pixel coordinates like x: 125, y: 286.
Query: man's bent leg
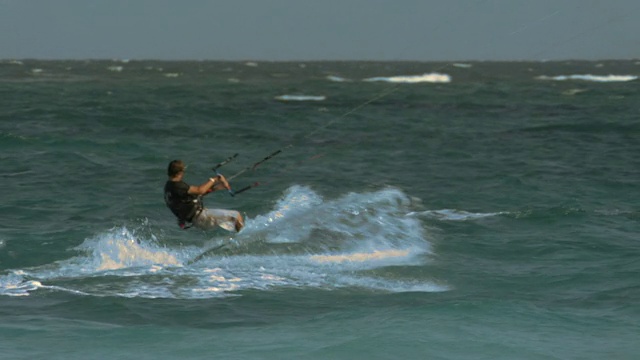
x: 229, y: 220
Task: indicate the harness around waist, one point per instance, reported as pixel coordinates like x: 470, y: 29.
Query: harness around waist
x: 197, y: 209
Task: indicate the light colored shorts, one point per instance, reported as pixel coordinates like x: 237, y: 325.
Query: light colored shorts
x: 210, y: 218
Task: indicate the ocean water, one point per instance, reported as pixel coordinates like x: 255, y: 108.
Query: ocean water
x: 416, y: 211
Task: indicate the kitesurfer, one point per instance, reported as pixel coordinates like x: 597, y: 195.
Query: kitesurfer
x: 185, y: 201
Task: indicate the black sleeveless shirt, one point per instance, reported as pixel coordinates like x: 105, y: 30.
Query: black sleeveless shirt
x: 177, y: 198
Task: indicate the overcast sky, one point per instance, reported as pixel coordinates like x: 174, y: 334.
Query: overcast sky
x: 320, y: 29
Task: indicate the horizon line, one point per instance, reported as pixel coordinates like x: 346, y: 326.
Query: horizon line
x: 249, y: 60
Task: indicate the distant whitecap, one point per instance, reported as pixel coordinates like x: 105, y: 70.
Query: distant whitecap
x: 587, y: 77
x: 413, y: 79
x: 572, y: 92
x: 337, y: 78
x: 300, y: 98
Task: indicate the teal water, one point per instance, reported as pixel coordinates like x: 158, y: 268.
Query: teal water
x: 489, y: 211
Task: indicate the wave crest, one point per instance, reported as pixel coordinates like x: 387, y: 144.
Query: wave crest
x: 305, y: 241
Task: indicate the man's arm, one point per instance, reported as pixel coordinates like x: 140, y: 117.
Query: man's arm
x: 203, y: 188
x: 213, y: 184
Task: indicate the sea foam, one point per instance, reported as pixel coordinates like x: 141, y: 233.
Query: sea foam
x: 413, y: 79
x: 587, y: 77
x: 305, y: 241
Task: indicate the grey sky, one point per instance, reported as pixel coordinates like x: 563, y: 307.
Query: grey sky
x: 320, y: 29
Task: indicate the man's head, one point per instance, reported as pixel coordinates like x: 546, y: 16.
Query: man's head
x: 176, y: 167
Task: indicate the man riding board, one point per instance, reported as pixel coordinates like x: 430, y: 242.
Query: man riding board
x: 185, y: 201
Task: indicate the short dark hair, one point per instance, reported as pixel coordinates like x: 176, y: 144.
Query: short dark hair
x: 175, y: 167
